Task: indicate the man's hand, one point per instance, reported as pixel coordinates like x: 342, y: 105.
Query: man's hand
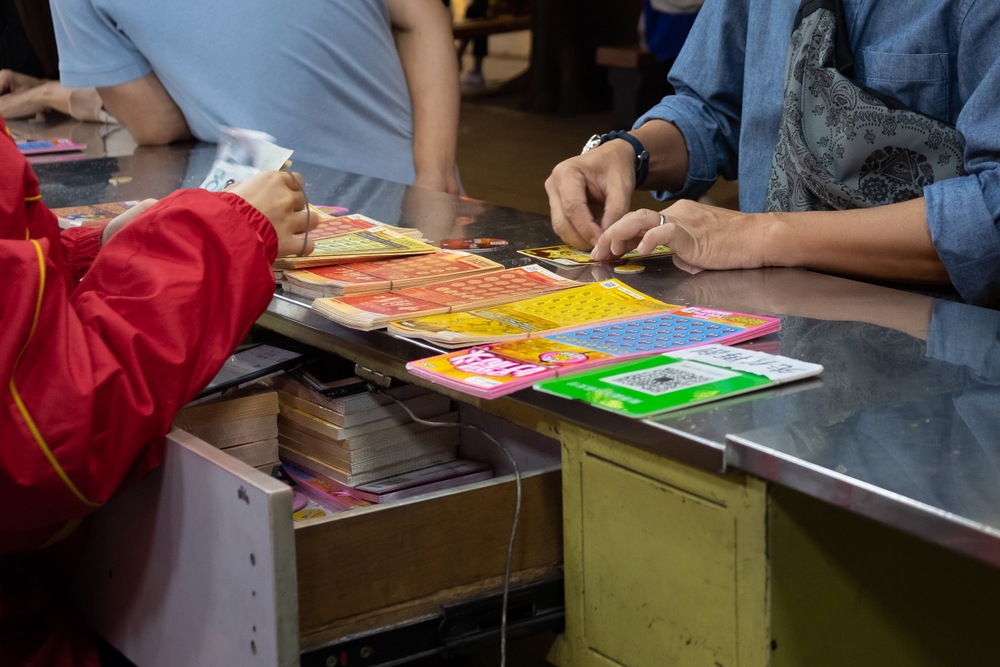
x: 21, y: 95
x: 589, y: 192
x: 15, y: 82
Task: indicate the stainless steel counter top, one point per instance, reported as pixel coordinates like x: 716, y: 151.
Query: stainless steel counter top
x: 903, y: 426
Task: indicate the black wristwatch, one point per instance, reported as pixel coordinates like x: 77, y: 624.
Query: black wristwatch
x: 641, y: 154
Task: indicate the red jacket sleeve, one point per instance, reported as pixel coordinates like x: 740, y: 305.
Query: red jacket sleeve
x: 80, y: 246
x: 93, y: 376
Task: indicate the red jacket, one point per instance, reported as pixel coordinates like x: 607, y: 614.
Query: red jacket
x: 92, y: 373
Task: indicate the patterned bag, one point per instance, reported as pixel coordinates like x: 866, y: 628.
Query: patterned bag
x: 841, y: 146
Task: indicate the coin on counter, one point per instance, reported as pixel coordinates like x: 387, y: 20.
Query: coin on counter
x: 630, y: 268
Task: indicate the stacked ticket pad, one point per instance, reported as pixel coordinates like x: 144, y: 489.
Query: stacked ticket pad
x: 385, y: 274
x: 355, y: 238
x: 376, y: 310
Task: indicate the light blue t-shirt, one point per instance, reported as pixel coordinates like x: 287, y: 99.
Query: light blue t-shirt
x: 937, y: 57
x: 322, y: 76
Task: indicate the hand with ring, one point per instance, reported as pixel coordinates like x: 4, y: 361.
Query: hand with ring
x: 701, y: 236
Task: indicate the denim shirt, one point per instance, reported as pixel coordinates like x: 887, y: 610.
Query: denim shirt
x: 937, y: 57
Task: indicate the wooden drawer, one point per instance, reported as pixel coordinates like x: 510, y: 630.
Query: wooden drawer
x: 202, y: 564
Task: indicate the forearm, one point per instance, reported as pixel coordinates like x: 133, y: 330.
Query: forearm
x: 887, y: 243
x: 435, y: 130
x: 424, y: 41
x: 53, y: 95
x: 146, y: 110
x: 80, y: 103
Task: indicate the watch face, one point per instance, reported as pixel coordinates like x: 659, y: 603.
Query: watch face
x: 593, y: 142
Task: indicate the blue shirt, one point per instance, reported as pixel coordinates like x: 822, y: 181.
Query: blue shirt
x: 938, y: 57
x: 324, y: 77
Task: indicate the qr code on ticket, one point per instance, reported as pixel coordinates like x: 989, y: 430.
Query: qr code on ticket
x: 664, y: 379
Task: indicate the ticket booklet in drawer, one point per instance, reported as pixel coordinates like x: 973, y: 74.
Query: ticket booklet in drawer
x: 202, y: 564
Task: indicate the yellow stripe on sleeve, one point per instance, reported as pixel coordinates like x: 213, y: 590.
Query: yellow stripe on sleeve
x: 62, y: 533
x: 39, y: 439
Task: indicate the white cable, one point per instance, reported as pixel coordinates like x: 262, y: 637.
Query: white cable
x: 517, y: 509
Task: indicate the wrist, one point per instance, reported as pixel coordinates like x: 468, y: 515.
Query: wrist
x: 779, y: 246
x: 46, y: 93
x: 83, y: 104
x: 442, y: 179
x: 640, y: 155
x: 622, y: 154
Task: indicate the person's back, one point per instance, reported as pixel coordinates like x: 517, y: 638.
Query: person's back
x: 323, y: 78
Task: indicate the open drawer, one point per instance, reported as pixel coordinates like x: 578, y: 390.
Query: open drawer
x: 201, y: 564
